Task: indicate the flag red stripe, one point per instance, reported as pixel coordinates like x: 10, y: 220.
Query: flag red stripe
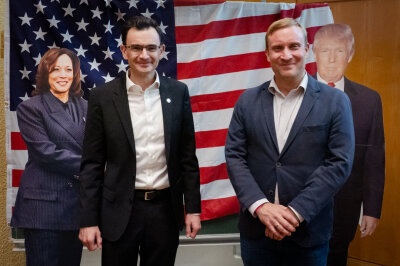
x: 311, y: 33
x: 311, y: 68
x: 222, y: 65
x: 213, y: 138
x: 196, y: 2
x: 17, y: 143
x: 211, y: 209
x: 212, y: 173
x: 224, y: 28
x: 16, y: 177
x: 216, y: 101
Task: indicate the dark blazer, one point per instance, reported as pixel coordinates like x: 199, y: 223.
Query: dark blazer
x: 108, y: 167
x: 314, y: 163
x: 48, y: 196
x: 367, y: 178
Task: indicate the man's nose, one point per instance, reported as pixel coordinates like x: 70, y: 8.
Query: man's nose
x: 332, y: 57
x: 286, y: 54
x: 144, y: 53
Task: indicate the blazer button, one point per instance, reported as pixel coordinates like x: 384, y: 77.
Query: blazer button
x: 270, y: 192
x: 76, y: 177
x: 69, y: 184
x: 278, y: 164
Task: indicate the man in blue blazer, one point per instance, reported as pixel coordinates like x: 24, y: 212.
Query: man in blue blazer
x: 333, y: 50
x: 289, y: 149
x: 139, y: 164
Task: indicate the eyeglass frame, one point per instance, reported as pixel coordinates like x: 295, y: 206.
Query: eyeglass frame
x: 130, y: 47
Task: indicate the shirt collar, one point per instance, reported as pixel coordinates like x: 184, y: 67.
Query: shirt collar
x: 131, y: 86
x: 273, y: 88
x: 339, y: 84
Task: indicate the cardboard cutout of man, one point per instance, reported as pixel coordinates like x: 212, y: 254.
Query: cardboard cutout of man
x: 333, y: 50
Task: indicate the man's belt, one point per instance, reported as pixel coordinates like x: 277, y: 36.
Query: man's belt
x: 151, y: 195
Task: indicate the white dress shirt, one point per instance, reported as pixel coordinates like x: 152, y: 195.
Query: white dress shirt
x: 339, y: 84
x: 286, y: 108
x: 148, y: 131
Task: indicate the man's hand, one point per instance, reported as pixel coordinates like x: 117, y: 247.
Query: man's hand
x: 90, y: 237
x: 280, y: 221
x: 368, y: 225
x: 193, y: 225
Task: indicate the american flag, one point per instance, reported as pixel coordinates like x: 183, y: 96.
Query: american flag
x: 215, y: 47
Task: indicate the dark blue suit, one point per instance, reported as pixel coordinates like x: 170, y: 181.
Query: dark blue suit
x: 314, y: 163
x: 48, y: 196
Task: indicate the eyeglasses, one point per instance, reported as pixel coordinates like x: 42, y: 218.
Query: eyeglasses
x: 136, y: 48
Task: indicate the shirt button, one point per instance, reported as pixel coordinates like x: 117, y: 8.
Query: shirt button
x: 278, y: 164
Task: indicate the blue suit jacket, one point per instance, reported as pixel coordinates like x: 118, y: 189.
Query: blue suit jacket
x: 314, y: 163
x: 48, y: 196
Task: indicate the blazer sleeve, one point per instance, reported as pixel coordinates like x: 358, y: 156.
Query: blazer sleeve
x: 93, y: 164
x: 335, y: 168
x: 188, y: 162
x: 42, y: 149
x: 374, y: 164
x: 236, y: 150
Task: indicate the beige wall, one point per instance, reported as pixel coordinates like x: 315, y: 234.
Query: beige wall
x: 7, y: 256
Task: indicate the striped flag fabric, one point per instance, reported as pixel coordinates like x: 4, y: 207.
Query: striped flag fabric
x: 215, y: 47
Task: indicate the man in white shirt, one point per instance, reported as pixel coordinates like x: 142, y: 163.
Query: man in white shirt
x: 289, y: 149
x: 333, y: 50
x: 139, y: 164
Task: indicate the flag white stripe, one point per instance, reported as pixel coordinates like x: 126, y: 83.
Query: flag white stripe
x: 212, y: 120
x: 227, y: 82
x: 211, y: 156
x: 204, y: 14
x: 217, y: 189
x: 316, y: 17
x: 213, y: 48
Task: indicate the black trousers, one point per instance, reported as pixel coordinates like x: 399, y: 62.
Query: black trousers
x: 52, y: 248
x: 152, y: 232
x: 346, y: 215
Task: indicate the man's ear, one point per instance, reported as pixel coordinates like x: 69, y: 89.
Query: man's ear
x: 267, y: 54
x: 162, y: 49
x: 123, y: 51
x: 350, y: 57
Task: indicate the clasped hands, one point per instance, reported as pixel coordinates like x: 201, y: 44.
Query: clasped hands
x: 279, y: 221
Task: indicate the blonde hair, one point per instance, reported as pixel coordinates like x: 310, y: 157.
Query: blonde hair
x: 285, y: 23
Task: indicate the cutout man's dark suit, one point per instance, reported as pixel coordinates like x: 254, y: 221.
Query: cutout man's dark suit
x: 109, y: 162
x: 366, y: 182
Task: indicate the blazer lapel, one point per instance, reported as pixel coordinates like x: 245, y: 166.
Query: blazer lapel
x: 61, y: 117
x: 309, y: 99
x: 268, y: 109
x: 120, y: 100
x: 349, y: 90
x: 166, y: 105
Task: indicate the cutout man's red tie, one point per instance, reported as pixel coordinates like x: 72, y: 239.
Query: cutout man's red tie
x: 331, y: 84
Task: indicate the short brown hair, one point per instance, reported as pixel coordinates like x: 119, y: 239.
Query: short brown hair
x: 340, y: 32
x: 284, y: 23
x: 46, y: 66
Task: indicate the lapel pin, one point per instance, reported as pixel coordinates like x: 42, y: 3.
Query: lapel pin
x: 168, y: 100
